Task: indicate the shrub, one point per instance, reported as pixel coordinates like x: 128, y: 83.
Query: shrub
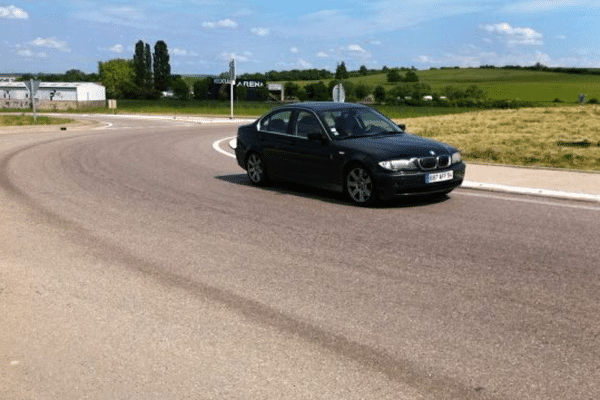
x: 379, y: 94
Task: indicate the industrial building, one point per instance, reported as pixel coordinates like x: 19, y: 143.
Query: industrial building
x: 53, y: 95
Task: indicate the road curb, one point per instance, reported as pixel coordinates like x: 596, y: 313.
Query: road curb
x: 491, y: 187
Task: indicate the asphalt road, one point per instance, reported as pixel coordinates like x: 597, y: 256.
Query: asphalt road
x: 136, y: 262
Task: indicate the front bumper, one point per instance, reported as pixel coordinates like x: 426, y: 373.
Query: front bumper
x: 409, y: 183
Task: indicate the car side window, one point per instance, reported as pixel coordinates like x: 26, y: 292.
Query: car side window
x: 341, y: 123
x: 372, y: 121
x: 306, y: 123
x: 277, y: 122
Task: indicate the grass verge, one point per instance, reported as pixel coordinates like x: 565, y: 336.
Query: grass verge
x: 26, y: 120
x: 561, y: 137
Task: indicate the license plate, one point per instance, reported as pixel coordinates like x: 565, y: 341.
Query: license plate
x: 439, y: 177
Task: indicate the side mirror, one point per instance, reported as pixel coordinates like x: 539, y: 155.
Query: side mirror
x: 402, y: 126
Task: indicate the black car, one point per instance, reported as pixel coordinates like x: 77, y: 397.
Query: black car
x: 346, y: 147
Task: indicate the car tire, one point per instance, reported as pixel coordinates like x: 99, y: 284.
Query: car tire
x: 255, y: 167
x: 360, y: 186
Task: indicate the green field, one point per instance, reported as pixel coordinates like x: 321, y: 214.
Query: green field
x: 535, y: 86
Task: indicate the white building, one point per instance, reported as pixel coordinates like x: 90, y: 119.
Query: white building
x: 58, y: 95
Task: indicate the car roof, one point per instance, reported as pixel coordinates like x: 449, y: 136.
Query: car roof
x: 323, y: 105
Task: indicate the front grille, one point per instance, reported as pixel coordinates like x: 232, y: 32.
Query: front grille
x: 444, y: 161
x: 429, y: 163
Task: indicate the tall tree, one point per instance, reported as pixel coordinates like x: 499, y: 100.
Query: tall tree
x: 139, y: 64
x: 162, y: 68
x: 148, y: 58
x: 341, y: 72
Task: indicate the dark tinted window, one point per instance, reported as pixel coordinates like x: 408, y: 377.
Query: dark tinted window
x: 277, y: 122
x: 357, y: 122
x: 306, y: 123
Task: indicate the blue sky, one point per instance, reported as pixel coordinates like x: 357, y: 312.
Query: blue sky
x: 54, y: 36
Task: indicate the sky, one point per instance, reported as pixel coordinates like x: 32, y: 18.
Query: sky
x: 202, y: 36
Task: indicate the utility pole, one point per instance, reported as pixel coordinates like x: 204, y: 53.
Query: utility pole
x: 231, y: 82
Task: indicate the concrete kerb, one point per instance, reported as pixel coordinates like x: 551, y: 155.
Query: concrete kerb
x: 491, y: 187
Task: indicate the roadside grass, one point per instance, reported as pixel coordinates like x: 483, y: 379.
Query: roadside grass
x: 191, y: 107
x: 25, y: 120
x: 560, y: 137
x: 252, y: 109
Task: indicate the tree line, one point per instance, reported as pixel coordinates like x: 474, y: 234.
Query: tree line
x: 145, y: 76
x: 148, y: 74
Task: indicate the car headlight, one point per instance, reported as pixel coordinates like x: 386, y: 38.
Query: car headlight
x: 399, y: 165
x: 456, y: 157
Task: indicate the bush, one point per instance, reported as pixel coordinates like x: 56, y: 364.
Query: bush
x: 393, y: 76
x: 361, y: 91
x: 379, y: 94
x: 202, y: 89
x: 317, y: 91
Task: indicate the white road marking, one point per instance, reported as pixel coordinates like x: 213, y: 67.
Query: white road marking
x: 217, y: 147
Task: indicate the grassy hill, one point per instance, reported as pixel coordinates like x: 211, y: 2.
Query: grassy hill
x: 526, y: 85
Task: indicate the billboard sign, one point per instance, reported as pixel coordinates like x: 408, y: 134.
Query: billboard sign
x: 232, y: 70
x: 339, y: 95
x: 32, y: 86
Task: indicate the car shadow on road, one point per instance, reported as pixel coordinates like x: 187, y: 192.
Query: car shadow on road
x: 309, y: 192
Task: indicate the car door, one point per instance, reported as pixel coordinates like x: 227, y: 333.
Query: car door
x: 277, y: 143
x: 314, y: 160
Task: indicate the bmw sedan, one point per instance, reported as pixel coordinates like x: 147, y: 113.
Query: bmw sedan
x: 348, y: 148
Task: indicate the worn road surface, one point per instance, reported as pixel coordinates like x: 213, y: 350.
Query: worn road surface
x: 136, y: 262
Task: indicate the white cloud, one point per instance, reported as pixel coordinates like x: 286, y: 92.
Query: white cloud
x: 261, y: 31
x: 126, y: 13
x: 516, y: 36
x: 183, y: 53
x: 294, y: 50
x: 224, y: 23
x: 117, y: 48
x: 25, y: 52
x: 304, y: 64
x: 322, y: 54
x: 28, y: 53
x: 355, y: 48
x: 52, y: 43
x: 245, y: 56
x: 12, y: 12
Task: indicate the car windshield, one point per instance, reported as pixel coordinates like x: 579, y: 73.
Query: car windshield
x: 357, y: 122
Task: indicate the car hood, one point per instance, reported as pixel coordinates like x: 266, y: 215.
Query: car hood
x: 396, y: 146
